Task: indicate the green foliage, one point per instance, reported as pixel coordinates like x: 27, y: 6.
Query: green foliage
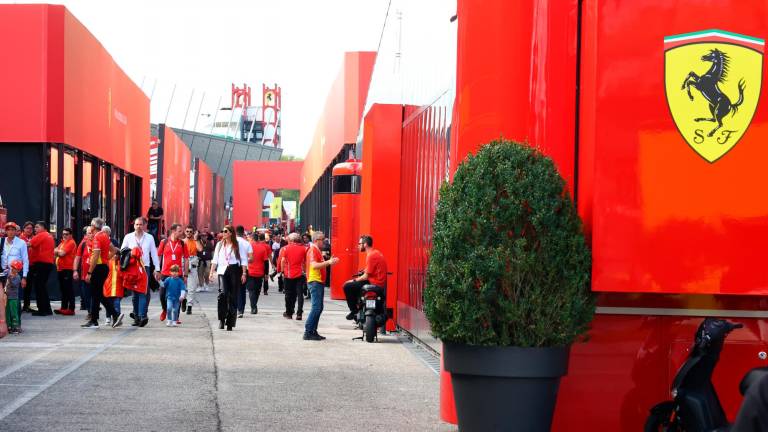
x: 291, y: 158
x: 290, y: 195
x: 509, y: 264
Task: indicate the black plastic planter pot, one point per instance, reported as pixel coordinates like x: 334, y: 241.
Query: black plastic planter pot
x: 505, y: 388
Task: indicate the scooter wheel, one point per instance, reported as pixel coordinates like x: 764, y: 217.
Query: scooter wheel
x: 660, y: 419
x: 370, y: 328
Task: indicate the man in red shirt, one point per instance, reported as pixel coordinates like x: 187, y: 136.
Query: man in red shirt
x: 293, y: 260
x: 41, y: 265
x: 80, y: 268
x: 98, y: 270
x: 256, y: 272
x: 65, y: 258
x: 375, y: 273
x: 172, y: 251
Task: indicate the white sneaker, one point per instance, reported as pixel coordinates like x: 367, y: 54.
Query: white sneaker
x: 108, y: 322
x: 168, y: 323
x: 174, y: 324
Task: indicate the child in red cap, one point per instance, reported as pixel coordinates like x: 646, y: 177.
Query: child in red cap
x: 12, y: 289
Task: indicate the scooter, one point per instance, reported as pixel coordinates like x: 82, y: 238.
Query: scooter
x: 372, y: 312
x: 695, y: 406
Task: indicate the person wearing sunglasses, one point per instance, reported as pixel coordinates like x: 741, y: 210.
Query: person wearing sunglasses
x: 375, y: 273
x: 230, y: 267
x: 65, y: 258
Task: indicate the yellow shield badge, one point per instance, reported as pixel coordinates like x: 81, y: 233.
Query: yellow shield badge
x: 712, y: 80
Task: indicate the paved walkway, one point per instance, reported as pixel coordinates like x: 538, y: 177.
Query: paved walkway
x: 260, y: 377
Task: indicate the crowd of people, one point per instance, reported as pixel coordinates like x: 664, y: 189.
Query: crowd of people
x: 184, y: 262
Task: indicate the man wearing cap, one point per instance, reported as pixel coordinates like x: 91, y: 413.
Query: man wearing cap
x: 13, y: 248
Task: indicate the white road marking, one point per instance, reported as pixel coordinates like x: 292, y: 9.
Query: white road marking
x: 27, y: 396
x: 11, y: 369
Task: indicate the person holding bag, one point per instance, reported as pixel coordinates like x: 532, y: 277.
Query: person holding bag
x: 231, y: 268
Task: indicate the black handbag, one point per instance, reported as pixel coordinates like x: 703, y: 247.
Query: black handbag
x: 154, y: 285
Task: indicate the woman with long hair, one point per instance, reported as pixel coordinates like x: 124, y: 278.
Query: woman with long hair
x: 229, y: 266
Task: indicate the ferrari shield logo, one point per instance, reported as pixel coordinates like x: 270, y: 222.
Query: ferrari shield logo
x: 712, y: 80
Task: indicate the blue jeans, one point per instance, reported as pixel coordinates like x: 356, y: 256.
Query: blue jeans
x: 141, y: 301
x: 174, y: 304
x: 316, y: 291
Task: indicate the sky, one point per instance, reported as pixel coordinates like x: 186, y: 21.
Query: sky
x: 201, y: 47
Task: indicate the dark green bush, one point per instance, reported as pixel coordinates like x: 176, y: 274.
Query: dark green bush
x: 509, y: 264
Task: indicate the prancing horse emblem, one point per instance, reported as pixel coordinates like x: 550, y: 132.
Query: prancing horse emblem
x: 726, y: 70
x: 709, y: 86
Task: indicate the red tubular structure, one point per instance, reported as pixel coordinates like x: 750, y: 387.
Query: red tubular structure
x: 345, y: 213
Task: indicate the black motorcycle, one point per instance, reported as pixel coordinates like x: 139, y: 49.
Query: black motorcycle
x: 372, y: 311
x: 695, y: 406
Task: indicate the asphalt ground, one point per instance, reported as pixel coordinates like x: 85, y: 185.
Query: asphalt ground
x: 261, y: 376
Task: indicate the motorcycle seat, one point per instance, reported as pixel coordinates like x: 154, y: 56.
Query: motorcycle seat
x: 375, y: 288
x: 752, y: 377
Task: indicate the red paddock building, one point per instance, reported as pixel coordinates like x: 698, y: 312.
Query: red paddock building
x: 335, y: 135
x: 174, y: 163
x: 676, y: 222
x: 252, y: 180
x: 74, y: 134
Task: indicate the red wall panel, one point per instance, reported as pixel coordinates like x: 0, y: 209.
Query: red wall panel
x: 250, y: 176
x: 380, y: 197
x: 663, y: 218
x: 176, y: 160
x: 219, y: 209
x: 203, y: 195
x: 522, y: 85
x: 104, y: 112
x: 63, y: 86
x: 341, y: 117
x: 24, y: 78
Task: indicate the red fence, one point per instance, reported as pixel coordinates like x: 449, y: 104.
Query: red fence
x: 424, y: 168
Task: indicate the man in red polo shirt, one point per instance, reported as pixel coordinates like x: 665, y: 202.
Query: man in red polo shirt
x: 375, y: 273
x: 172, y: 251
x: 98, y: 270
x: 256, y: 272
x: 80, y: 268
x: 293, y: 260
x: 41, y: 265
x: 65, y: 258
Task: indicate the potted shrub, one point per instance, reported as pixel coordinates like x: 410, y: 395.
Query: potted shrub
x: 508, y: 286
